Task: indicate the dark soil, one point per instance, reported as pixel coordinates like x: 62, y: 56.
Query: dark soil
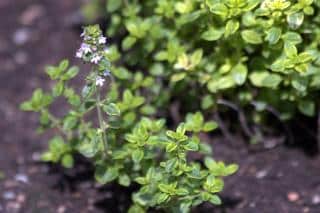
x: 34, y: 33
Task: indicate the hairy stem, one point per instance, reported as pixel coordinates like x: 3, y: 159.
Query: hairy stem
x: 101, y: 124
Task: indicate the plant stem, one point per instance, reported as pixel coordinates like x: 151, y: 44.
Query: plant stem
x: 56, y: 124
x: 101, y: 123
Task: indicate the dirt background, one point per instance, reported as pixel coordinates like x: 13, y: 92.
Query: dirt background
x: 36, y: 33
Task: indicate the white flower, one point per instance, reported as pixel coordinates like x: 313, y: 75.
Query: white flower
x: 102, y: 40
x: 85, y: 48
x: 82, y: 34
x: 95, y: 59
x: 79, y: 54
x: 100, y: 81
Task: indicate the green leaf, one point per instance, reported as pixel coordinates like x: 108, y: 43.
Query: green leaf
x: 58, y: 89
x: 87, y: 91
x: 196, y: 57
x: 239, y: 73
x: 128, y: 42
x: 212, y: 34
x: 136, y: 208
x: 207, y: 102
x: 251, y: 37
x: 124, y: 180
x: 113, y: 5
x: 26, y: 106
x: 121, y: 73
x: 89, y: 149
x: 182, y: 191
x: 218, y: 9
x: 251, y: 4
x: 137, y: 155
x: 205, y: 148
x: 299, y: 83
x: 162, y: 197
x: 222, y: 83
x: 215, y: 200
x: 295, y: 20
x: 231, y: 27
x: 231, y: 169
x: 105, y: 175
x: 279, y: 65
x: 185, y: 207
x: 168, y: 188
x: 265, y: 79
x: 290, y: 50
x: 112, y: 109
x: 307, y: 107
x: 192, y: 145
x: 133, y: 28
x: 189, y: 17
x: 71, y: 73
x: 181, y: 129
x: 292, y: 37
x: 301, y: 68
x: 209, y: 126
x: 171, y: 164
x: 305, y: 57
x: 64, y: 64
x: 53, y: 72
x: 273, y: 35
x: 171, y: 146
x: 213, y: 184
x: 47, y: 157
x: 178, y: 77
x: 37, y: 97
x: 70, y: 122
x: 67, y: 161
x: 141, y: 180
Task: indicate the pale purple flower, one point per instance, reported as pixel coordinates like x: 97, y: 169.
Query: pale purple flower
x: 95, y: 59
x: 82, y: 34
x: 100, y: 81
x: 106, y: 73
x: 102, y: 40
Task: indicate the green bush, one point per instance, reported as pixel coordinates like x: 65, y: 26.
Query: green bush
x: 251, y: 53
x: 128, y: 144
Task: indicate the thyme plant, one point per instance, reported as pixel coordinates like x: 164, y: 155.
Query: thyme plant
x: 129, y: 144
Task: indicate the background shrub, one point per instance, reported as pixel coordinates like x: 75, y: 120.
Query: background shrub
x: 252, y: 55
